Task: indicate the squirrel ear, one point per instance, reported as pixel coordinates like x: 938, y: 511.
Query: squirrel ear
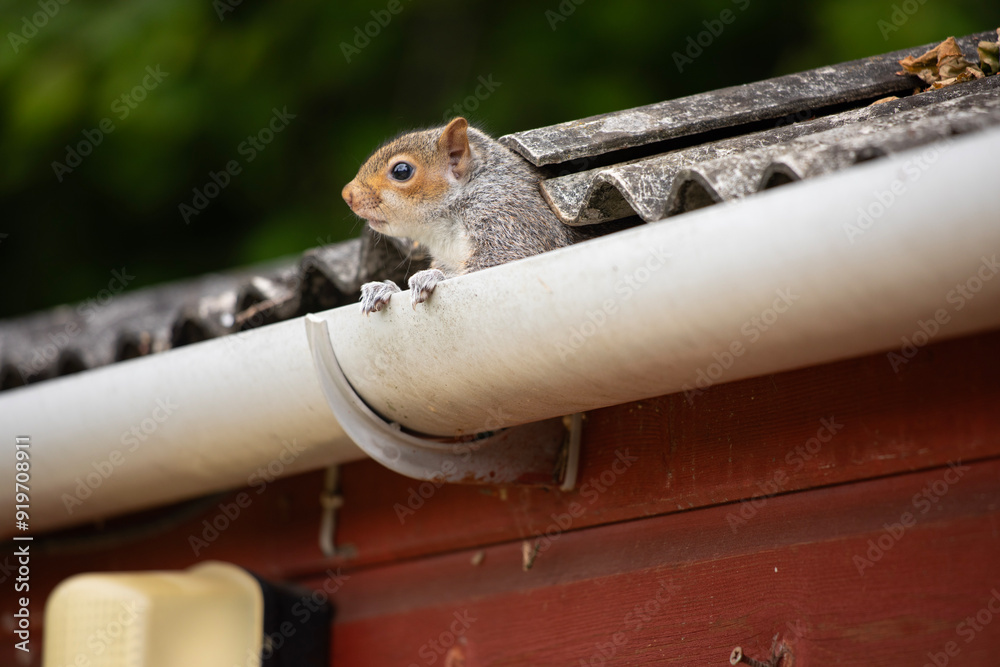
x: 454, y: 143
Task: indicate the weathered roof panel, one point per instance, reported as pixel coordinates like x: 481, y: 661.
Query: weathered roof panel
x: 69, y: 339
x: 644, y: 187
x: 853, y: 81
x: 817, y: 154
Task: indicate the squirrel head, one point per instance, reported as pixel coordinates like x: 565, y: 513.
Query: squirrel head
x: 406, y: 183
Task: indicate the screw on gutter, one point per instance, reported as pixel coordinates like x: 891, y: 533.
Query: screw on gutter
x: 737, y: 657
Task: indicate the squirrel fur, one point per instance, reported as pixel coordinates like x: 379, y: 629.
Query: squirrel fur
x: 472, y: 202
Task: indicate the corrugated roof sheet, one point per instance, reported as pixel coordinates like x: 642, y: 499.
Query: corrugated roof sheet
x: 69, y: 339
x: 659, y: 186
x: 771, y: 99
x: 651, y: 162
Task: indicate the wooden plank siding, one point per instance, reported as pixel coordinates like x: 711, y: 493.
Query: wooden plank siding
x: 700, y: 500
x: 817, y: 568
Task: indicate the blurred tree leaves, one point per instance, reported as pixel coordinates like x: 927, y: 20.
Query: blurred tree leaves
x: 119, y: 207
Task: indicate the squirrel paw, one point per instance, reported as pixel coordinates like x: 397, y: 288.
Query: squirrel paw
x: 422, y: 284
x: 375, y: 296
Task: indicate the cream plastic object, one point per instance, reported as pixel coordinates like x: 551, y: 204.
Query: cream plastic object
x: 210, y: 615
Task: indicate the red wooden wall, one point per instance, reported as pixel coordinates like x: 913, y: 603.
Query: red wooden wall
x: 849, y: 510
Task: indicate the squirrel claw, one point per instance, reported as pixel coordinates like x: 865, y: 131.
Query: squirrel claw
x: 375, y: 296
x: 422, y: 284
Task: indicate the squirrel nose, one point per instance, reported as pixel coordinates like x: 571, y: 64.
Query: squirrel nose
x: 348, y: 194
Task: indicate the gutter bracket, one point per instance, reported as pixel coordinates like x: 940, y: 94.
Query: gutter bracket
x: 537, y: 454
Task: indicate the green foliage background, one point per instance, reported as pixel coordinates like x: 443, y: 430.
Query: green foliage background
x: 120, y: 206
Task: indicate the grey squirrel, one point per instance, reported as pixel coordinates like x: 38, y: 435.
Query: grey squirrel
x: 470, y: 201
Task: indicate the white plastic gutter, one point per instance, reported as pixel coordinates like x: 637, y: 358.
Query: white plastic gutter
x: 784, y: 279
x: 221, y: 414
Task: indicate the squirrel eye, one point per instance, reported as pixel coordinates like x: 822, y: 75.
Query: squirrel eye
x: 401, y: 171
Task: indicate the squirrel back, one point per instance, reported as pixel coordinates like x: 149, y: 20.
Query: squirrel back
x: 472, y: 202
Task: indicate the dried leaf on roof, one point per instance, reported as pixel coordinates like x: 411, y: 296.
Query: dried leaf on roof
x: 989, y: 55
x: 943, y: 65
